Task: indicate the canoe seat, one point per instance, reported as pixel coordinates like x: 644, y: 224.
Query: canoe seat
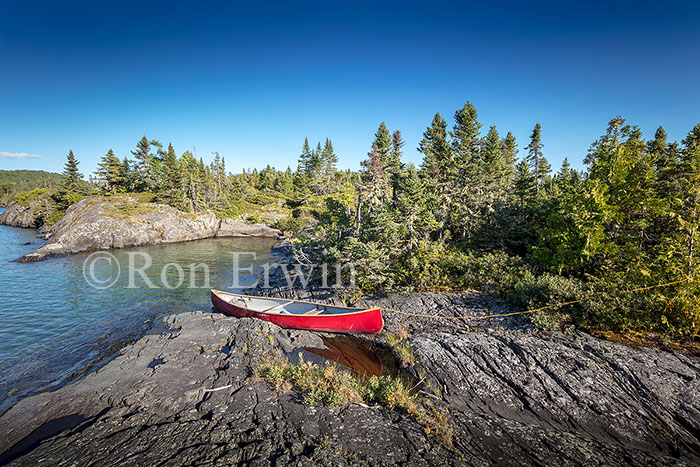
x: 277, y: 307
x: 313, y: 312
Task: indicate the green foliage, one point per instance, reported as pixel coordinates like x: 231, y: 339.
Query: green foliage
x: 25, y: 197
x: 294, y: 225
x: 13, y: 182
x: 472, y: 216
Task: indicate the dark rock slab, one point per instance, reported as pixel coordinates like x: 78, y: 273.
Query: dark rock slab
x: 520, y: 397
x: 200, y: 405
x: 515, y: 397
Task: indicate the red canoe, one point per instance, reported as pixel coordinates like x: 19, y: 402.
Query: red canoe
x: 299, y: 314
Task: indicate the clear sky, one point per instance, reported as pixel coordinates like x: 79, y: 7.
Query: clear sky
x: 252, y: 80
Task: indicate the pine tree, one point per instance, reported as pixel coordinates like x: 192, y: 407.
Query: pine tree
x: 621, y: 200
x: 145, y: 165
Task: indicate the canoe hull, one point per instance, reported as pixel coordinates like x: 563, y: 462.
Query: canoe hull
x: 365, y: 322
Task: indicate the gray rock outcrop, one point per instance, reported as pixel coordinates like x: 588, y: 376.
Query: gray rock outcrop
x: 18, y: 215
x: 239, y: 228
x: 118, y: 222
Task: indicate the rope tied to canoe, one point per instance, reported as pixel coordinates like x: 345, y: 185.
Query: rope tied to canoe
x: 546, y: 307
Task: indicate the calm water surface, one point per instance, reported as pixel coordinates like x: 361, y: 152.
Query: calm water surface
x: 53, y: 325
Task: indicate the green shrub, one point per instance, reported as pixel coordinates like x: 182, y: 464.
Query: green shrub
x: 25, y: 197
x: 291, y: 224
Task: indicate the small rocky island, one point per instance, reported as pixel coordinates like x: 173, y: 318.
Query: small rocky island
x: 188, y: 394
x: 98, y: 223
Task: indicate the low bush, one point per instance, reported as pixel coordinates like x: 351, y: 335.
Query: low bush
x: 291, y: 224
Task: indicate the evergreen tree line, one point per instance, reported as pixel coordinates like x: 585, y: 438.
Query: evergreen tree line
x: 474, y: 214
x: 188, y: 183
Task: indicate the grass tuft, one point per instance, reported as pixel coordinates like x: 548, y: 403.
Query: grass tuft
x: 402, y: 348
x: 327, y: 385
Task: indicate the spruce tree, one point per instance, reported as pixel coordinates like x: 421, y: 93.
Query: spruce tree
x: 375, y: 182
x: 465, y: 134
x: 524, y: 185
x: 492, y: 154
x: 394, y: 161
x: 110, y: 172
x: 316, y: 162
x: 304, y: 158
x: 439, y: 169
x: 72, y: 175
x: 329, y: 160
x: 539, y: 165
x: 382, y: 139
x: 510, y: 153
x: 658, y: 148
x: 171, y: 176
x: 690, y: 204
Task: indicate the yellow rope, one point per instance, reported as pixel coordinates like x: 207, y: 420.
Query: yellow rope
x: 639, y: 289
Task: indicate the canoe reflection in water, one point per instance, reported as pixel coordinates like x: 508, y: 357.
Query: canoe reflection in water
x: 352, y: 353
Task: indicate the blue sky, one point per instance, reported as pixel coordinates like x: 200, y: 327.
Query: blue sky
x: 252, y: 80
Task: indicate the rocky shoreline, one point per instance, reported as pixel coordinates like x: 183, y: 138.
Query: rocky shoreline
x: 99, y: 223
x: 515, y: 397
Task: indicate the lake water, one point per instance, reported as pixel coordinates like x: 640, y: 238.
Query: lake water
x: 54, y: 326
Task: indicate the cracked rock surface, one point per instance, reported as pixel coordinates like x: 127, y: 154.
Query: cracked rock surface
x: 178, y: 398
x: 515, y: 397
